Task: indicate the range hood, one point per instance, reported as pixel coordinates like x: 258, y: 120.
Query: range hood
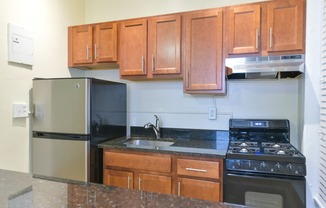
x: 265, y: 67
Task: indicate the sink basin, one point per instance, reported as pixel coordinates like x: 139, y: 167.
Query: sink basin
x: 148, y: 144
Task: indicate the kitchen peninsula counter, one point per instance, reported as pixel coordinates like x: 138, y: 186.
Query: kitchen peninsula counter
x: 23, y: 190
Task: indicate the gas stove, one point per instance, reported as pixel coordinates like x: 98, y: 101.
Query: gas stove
x: 263, y: 146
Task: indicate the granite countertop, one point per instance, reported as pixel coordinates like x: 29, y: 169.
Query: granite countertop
x: 184, y: 146
x: 22, y: 190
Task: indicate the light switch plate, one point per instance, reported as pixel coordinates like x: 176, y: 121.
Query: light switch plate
x: 20, y: 110
x: 212, y: 113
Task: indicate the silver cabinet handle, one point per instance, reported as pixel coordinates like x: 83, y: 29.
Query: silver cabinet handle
x: 271, y: 37
x: 129, y: 182
x: 139, y: 181
x: 87, y: 52
x: 153, y: 63
x: 257, y: 36
x: 187, y: 78
x: 179, y: 187
x: 95, y: 52
x: 197, y: 170
x: 142, y: 63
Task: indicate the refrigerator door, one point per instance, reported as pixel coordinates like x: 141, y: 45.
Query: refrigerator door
x: 62, y: 105
x: 60, y: 156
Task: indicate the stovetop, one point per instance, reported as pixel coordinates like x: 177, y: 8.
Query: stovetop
x: 263, y: 146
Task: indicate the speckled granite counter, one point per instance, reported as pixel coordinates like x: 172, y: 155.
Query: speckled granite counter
x: 208, y: 144
x: 22, y: 190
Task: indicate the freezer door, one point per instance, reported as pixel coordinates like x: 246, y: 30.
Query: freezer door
x: 61, y: 105
x: 60, y: 158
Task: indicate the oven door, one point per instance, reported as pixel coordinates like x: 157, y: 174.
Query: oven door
x: 265, y: 191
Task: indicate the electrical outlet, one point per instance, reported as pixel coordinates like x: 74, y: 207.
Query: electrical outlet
x: 212, y: 113
x: 20, y: 110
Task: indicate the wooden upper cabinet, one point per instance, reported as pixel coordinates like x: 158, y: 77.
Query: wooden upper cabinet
x: 244, y: 29
x: 106, y: 42
x: 80, y: 45
x: 273, y: 27
x: 90, y: 45
x: 164, y: 45
x: 161, y: 35
x: 203, y: 52
x: 133, y: 47
x: 285, y: 25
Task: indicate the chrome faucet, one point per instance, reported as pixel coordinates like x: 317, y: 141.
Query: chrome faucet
x: 156, y: 128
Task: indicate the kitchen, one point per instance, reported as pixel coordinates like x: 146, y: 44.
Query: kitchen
x: 187, y: 111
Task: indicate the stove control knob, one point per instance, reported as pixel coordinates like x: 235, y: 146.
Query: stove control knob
x: 238, y: 164
x: 263, y: 166
x: 290, y: 168
x: 249, y: 165
x: 277, y: 167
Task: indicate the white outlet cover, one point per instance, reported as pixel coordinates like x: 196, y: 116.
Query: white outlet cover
x: 212, y: 113
x: 20, y: 110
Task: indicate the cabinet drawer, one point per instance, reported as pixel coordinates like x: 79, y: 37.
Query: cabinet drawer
x: 206, y: 169
x: 139, y: 162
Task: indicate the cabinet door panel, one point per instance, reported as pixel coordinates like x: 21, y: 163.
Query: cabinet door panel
x: 200, y: 189
x: 285, y: 25
x: 82, y: 44
x: 106, y: 42
x: 203, y: 51
x: 154, y: 183
x: 123, y: 179
x: 244, y: 29
x: 165, y: 44
x: 133, y: 47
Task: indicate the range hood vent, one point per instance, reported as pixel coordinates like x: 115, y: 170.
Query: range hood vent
x: 265, y: 67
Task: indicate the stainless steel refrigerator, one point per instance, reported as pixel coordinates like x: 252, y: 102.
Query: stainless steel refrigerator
x: 71, y: 117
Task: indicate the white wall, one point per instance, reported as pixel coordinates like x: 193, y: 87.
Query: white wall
x: 310, y: 141
x: 101, y: 10
x: 48, y: 21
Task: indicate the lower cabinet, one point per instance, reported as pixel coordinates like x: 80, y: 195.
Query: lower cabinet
x: 144, y: 182
x: 199, y: 179
x: 200, y: 189
x: 123, y: 179
x: 155, y: 183
x: 188, y: 176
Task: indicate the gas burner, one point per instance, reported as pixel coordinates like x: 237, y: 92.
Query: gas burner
x: 276, y: 145
x: 244, y: 143
x: 281, y: 151
x: 245, y: 150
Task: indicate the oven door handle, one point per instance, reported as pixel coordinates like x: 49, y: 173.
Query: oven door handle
x: 197, y: 170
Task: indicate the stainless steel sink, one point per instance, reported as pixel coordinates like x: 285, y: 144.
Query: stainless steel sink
x: 148, y: 144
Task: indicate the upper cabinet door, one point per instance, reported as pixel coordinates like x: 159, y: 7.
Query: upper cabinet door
x: 203, y: 52
x: 133, y: 47
x: 164, y: 45
x: 105, y: 47
x: 244, y: 29
x: 285, y: 25
x: 81, y: 40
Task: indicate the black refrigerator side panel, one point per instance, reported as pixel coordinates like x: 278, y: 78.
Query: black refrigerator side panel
x: 108, y: 120
x: 108, y: 109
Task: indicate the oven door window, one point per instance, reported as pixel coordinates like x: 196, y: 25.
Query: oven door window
x: 264, y: 192
x: 263, y: 200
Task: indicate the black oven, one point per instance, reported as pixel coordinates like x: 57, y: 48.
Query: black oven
x: 263, y: 170
x: 265, y: 191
